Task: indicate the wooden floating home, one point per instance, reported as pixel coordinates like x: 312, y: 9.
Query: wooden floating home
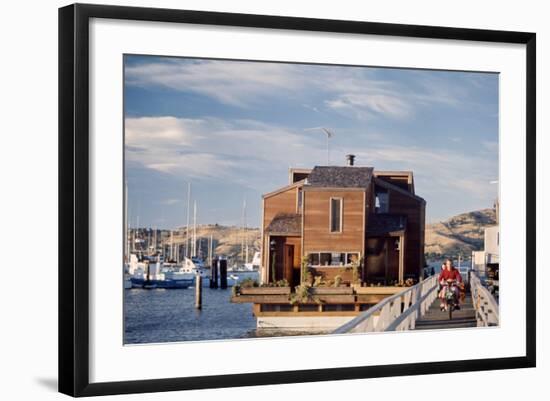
x: 361, y: 233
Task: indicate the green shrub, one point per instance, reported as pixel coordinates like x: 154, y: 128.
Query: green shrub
x: 302, y: 294
x: 304, y: 269
x: 356, y: 271
x: 318, y: 281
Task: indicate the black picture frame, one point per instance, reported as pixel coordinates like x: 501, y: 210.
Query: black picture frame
x: 74, y: 198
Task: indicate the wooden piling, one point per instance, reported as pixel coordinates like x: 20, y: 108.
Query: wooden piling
x: 198, y: 292
x: 214, y: 273
x: 223, y: 274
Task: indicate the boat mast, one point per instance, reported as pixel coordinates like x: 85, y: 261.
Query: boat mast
x: 155, y: 240
x: 187, y: 238
x: 177, y: 251
x: 136, y: 234
x: 126, y: 225
x: 171, y: 245
x: 245, y: 233
x: 210, y: 251
x: 194, y: 229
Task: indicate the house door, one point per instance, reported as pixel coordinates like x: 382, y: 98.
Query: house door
x: 391, y: 261
x: 288, y: 261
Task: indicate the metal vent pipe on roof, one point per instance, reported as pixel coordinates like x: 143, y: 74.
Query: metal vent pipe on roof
x: 350, y: 159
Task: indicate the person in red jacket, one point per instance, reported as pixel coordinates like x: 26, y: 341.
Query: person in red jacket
x: 448, y: 274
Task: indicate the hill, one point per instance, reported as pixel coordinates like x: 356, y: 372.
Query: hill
x: 227, y: 240
x: 459, y: 234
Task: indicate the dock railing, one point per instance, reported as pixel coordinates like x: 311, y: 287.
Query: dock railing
x: 485, y: 305
x: 397, y: 312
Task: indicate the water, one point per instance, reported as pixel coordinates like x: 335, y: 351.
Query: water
x: 155, y: 316
x: 161, y: 315
x: 169, y: 315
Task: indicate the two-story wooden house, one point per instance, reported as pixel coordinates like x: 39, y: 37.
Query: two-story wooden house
x: 334, y: 215
x: 335, y: 218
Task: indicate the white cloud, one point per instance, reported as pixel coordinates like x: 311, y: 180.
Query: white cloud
x: 346, y: 90
x: 159, y: 131
x: 233, y: 83
x: 438, y: 170
x: 244, y: 152
x: 257, y: 155
x: 365, y: 106
x: 170, y: 201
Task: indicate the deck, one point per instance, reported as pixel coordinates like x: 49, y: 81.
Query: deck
x: 417, y: 308
x: 435, y: 319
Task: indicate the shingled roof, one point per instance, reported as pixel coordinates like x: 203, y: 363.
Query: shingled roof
x: 340, y: 177
x: 380, y: 224
x: 286, y: 223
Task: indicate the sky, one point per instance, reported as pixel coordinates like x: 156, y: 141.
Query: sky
x: 233, y: 128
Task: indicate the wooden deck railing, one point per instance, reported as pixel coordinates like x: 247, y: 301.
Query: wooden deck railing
x: 487, y: 310
x: 397, y: 312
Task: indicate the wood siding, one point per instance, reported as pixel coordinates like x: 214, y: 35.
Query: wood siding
x: 414, y: 242
x: 356, y: 205
x: 282, y: 202
x: 330, y: 273
x: 316, y: 231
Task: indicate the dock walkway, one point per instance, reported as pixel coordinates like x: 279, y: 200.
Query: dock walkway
x: 417, y: 308
x: 436, y: 319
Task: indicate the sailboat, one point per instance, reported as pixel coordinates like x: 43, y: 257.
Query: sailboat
x: 246, y: 266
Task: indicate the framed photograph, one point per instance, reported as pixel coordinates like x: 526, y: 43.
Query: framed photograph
x: 251, y: 199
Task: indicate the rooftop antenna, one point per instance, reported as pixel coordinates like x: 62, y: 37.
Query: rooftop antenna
x: 329, y: 135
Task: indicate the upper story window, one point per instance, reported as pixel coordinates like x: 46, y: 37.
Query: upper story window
x: 300, y: 199
x: 335, y: 215
x: 382, y: 203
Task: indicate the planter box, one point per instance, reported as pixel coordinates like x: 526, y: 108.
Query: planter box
x: 265, y: 291
x: 379, y: 290
x: 332, y: 290
x: 261, y: 299
x: 337, y: 299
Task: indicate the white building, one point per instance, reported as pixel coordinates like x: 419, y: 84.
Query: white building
x: 490, y: 256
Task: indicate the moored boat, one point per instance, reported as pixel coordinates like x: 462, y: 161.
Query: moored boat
x: 151, y: 275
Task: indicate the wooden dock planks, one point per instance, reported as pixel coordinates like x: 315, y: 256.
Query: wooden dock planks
x: 435, y: 319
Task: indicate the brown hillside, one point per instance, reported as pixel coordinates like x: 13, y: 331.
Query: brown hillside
x: 459, y: 234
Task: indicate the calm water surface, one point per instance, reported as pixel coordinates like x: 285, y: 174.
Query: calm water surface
x: 154, y: 316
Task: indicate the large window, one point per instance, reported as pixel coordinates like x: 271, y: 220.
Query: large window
x: 382, y: 203
x: 335, y: 215
x: 313, y: 259
x: 333, y: 259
